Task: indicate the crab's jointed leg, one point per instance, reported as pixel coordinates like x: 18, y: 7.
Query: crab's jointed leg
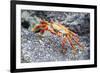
x: 73, y: 47
x: 63, y: 44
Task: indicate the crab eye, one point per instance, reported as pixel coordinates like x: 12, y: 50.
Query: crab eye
x: 25, y: 24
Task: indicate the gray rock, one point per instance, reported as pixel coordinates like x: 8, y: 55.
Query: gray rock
x: 47, y: 47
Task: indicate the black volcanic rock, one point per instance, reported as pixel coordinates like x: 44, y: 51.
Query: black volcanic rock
x: 25, y: 24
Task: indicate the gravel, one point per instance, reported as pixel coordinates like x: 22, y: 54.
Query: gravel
x: 37, y: 48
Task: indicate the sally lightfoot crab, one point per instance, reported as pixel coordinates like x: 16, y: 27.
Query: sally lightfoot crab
x: 59, y: 30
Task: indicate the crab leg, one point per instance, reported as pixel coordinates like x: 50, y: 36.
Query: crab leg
x: 73, y: 47
x: 77, y: 42
x: 76, y: 39
x: 44, y: 28
x: 75, y: 35
x: 63, y: 44
x: 39, y: 26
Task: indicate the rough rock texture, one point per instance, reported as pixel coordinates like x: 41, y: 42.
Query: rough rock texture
x: 47, y: 47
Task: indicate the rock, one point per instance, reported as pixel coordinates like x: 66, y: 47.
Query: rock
x: 47, y: 47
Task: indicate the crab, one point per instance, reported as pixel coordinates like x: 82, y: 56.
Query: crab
x: 61, y: 31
